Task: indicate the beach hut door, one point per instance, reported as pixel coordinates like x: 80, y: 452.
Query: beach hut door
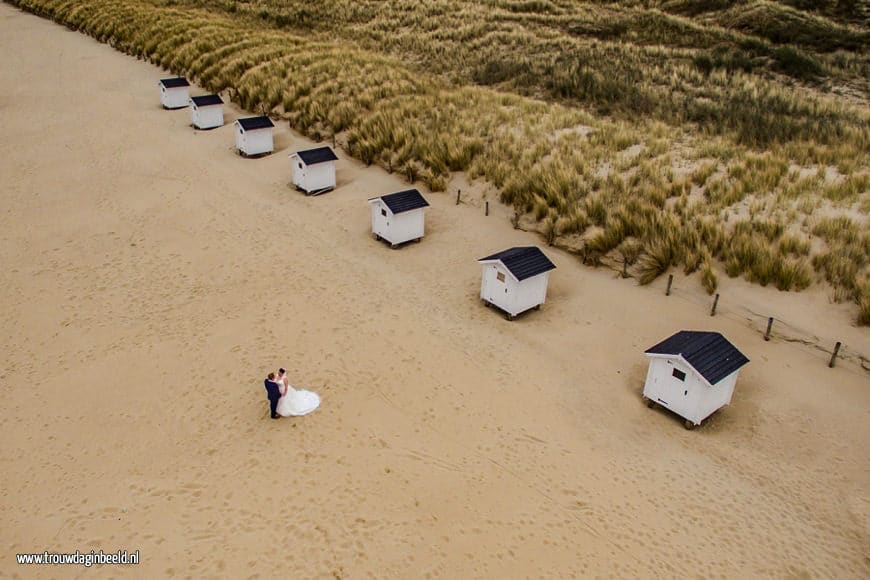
x: 675, y: 388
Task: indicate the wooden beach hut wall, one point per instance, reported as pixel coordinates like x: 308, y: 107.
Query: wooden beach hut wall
x: 174, y: 92
x: 398, y: 217
x: 314, y: 170
x: 693, y: 374
x: 515, y: 280
x: 254, y: 136
x: 206, y: 111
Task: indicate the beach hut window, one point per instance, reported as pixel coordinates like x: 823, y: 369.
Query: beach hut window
x: 500, y: 276
x: 384, y: 212
x: 300, y: 166
x: 679, y: 374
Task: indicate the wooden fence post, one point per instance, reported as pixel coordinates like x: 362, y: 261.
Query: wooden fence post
x: 458, y: 193
x: 769, y: 326
x: 486, y: 211
x: 670, y: 281
x: 834, y: 354
x: 715, y: 303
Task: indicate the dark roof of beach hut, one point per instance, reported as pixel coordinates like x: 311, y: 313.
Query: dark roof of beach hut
x: 403, y: 201
x: 315, y: 156
x: 251, y: 123
x: 523, y: 261
x: 709, y: 353
x: 174, y: 82
x: 206, y: 100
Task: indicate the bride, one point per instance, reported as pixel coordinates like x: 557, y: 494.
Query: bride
x: 294, y: 402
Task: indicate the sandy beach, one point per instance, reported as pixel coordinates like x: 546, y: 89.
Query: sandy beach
x: 151, y: 277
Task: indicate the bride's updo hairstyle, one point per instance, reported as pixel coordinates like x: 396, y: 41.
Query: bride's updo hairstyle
x: 282, y: 371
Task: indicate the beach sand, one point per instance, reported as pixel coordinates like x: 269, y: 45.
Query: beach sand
x: 151, y: 277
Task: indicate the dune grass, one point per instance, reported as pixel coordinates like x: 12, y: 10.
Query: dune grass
x: 671, y: 134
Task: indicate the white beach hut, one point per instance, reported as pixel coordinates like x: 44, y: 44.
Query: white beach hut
x: 515, y: 280
x: 174, y: 92
x: 314, y: 170
x: 398, y: 217
x: 693, y: 374
x: 206, y: 112
x: 254, y: 136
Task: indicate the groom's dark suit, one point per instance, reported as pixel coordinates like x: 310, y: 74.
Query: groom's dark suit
x: 274, y: 393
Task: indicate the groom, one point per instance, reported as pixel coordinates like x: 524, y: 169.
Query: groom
x: 273, y: 391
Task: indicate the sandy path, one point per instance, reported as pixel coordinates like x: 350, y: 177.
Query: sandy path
x: 151, y: 276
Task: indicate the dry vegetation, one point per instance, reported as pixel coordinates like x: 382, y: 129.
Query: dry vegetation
x: 726, y: 136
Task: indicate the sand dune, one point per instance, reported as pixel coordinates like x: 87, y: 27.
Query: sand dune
x: 151, y: 277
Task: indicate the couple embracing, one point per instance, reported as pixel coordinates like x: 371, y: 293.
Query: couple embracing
x: 284, y: 400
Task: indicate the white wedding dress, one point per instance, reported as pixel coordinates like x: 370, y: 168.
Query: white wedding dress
x: 297, y: 402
